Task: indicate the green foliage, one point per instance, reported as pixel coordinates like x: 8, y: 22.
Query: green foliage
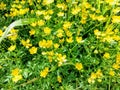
x: 60, y: 45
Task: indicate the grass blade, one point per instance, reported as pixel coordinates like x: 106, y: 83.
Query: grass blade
x: 19, y: 22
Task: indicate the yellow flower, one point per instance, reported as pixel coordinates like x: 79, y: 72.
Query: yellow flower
x: 116, y: 19
x: 40, y: 12
x: 50, y: 53
x: 47, y: 30
x: 78, y: 39
x: 50, y: 12
x: 106, y: 55
x: 75, y: 10
x: 108, y: 39
x: 0, y: 66
x: 50, y: 58
x: 12, y: 47
x: 38, y: 1
x: 32, y: 32
x: 116, y: 66
x: 49, y: 43
x: 67, y: 25
x: 62, y: 6
x: 99, y: 73
x: 97, y: 32
x: 91, y: 80
x: 116, y: 10
x: 111, y: 2
x: 61, y: 59
x: 68, y: 33
x: 26, y: 43
x: 45, y: 44
x: 2, y: 6
x: 13, y: 34
x: 118, y: 58
x: 47, y: 2
x: 13, y: 13
x: 93, y: 75
x: 16, y: 78
x: 112, y: 73
x: 1, y: 32
x: 60, y: 14
x: 44, y: 72
x: 101, y: 18
x: 41, y: 22
x: 33, y: 50
x: 116, y: 37
x: 97, y: 11
x: 30, y: 2
x: 69, y: 40
x: 78, y: 66
x: 87, y: 5
x: 44, y: 53
x: 13, y: 37
x: 61, y: 40
x: 42, y: 43
x: 59, y: 79
x: 47, y: 17
x: 15, y: 72
x: 60, y: 33
x: 23, y: 11
x: 84, y: 16
x: 16, y: 75
x: 56, y: 45
x: 92, y: 16
x: 19, y: 6
x: 83, y: 21
x: 34, y: 24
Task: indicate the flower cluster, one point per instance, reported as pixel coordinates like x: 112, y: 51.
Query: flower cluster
x: 98, y: 75
x: 116, y: 65
x: 16, y: 75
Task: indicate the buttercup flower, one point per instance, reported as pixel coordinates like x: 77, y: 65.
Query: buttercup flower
x: 32, y: 32
x: 12, y: 47
x: 47, y: 30
x: 78, y: 66
x: 16, y: 75
x: 17, y: 78
x: 60, y: 14
x: 116, y: 19
x: 2, y: 6
x: 44, y: 72
x: 26, y: 43
x: 59, y: 79
x: 106, y: 55
x: 112, y: 73
x: 33, y: 50
x: 47, y: 2
x: 75, y: 10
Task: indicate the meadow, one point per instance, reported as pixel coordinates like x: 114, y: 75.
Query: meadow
x: 59, y: 44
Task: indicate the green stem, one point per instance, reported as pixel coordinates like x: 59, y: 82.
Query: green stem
x: 98, y: 4
x: 111, y: 13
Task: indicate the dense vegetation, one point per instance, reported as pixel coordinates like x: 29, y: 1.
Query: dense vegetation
x: 60, y: 44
